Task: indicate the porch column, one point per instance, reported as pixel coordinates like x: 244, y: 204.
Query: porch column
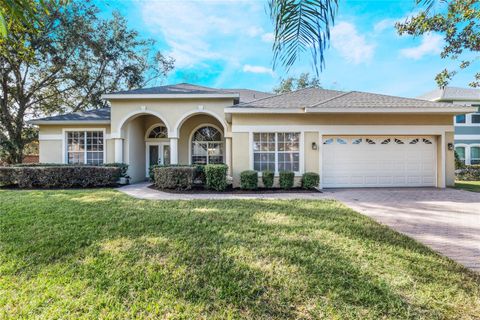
x: 228, y: 154
x: 119, y: 150
x: 173, y: 150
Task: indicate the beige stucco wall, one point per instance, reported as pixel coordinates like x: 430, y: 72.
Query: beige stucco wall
x: 169, y: 110
x: 241, y: 161
x: 341, y: 119
x: 51, y: 141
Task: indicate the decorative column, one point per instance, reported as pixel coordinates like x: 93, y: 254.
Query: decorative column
x: 173, y: 150
x: 118, y: 150
x: 228, y: 154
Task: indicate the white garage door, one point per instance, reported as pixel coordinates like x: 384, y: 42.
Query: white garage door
x: 368, y: 161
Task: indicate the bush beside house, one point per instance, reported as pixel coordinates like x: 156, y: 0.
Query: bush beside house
x: 67, y: 176
x: 286, y: 179
x: 249, y: 180
x: 216, y: 176
x: 310, y: 180
x: 174, y: 177
x: 267, y: 179
x: 468, y: 173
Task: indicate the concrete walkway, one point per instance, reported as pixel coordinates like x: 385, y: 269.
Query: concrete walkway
x: 446, y: 220
x: 142, y: 191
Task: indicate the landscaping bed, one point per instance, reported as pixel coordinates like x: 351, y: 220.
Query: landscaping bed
x: 230, y: 190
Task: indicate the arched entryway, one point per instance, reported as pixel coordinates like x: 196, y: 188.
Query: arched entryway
x: 145, y: 141
x: 201, y: 140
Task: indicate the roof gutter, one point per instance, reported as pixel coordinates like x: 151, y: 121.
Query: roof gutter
x: 264, y: 110
x: 119, y: 96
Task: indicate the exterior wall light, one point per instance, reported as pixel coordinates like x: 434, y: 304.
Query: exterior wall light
x: 314, y: 146
x: 450, y: 146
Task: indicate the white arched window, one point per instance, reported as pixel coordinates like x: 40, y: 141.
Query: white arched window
x: 158, y: 132
x: 207, y: 146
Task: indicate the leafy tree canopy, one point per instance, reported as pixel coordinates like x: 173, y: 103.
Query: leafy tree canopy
x: 460, y: 26
x: 65, y: 62
x: 291, y: 84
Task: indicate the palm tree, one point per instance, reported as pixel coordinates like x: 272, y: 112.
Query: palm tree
x: 304, y: 25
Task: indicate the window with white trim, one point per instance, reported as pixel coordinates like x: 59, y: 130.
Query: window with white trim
x: 474, y: 155
x: 207, y: 146
x: 276, y: 151
x: 85, y: 147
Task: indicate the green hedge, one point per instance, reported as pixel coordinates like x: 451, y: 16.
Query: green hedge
x: 310, y: 180
x: 267, y: 178
x: 249, y: 180
x: 174, y: 177
x: 216, y: 176
x: 122, y: 166
x: 286, y: 179
x: 59, y: 176
x: 469, y: 173
x: 199, y: 171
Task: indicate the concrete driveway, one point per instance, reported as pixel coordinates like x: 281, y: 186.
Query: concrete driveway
x: 447, y: 220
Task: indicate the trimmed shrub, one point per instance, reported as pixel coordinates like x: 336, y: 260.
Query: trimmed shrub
x: 249, y: 180
x: 122, y: 166
x: 216, y: 176
x: 310, y: 180
x: 469, y: 173
x: 174, y: 177
x: 59, y: 176
x: 286, y: 179
x: 267, y: 178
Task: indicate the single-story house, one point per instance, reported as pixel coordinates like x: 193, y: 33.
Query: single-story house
x: 352, y: 139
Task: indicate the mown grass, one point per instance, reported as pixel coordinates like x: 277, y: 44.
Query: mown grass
x: 473, y: 186
x: 101, y: 254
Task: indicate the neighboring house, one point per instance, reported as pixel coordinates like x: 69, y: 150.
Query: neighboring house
x: 352, y: 139
x: 467, y: 126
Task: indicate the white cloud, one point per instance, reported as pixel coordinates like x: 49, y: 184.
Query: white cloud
x: 384, y: 24
x: 431, y: 44
x: 196, y: 31
x: 350, y: 44
x: 268, y: 37
x: 258, y: 69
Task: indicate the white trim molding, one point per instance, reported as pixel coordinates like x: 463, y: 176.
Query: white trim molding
x: 117, y: 96
x: 64, y: 141
x: 138, y: 113
x: 68, y: 122
x: 467, y: 136
x: 350, y: 129
x: 192, y: 113
x: 46, y: 137
x: 432, y: 110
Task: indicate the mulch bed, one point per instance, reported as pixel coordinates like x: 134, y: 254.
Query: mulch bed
x: 230, y: 190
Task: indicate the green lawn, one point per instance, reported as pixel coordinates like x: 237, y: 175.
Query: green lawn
x: 473, y: 186
x: 101, y: 254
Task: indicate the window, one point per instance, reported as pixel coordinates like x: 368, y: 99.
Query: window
x: 386, y: 141
x: 475, y: 118
x: 398, y: 141
x: 426, y: 141
x: 475, y: 155
x: 85, y: 147
x: 461, y: 118
x: 370, y: 141
x: 158, y: 132
x: 341, y: 141
x: 357, y: 141
x: 414, y: 141
x: 328, y: 141
x: 460, y: 151
x: 207, y: 146
x: 276, y: 151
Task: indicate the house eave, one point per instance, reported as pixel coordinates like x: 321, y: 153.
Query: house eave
x: 441, y: 110
x: 264, y: 110
x: 169, y: 96
x: 67, y: 122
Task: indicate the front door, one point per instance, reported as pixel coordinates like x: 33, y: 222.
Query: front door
x: 158, y: 153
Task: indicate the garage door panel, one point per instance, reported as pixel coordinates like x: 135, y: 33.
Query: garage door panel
x: 385, y: 161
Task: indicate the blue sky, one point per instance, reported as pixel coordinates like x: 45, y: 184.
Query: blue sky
x: 227, y: 43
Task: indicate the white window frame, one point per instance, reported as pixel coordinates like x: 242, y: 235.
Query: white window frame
x: 470, y: 151
x: 301, y: 149
x: 65, y: 144
x: 190, y: 141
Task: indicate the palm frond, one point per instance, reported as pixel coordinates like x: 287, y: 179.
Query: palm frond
x: 300, y: 26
